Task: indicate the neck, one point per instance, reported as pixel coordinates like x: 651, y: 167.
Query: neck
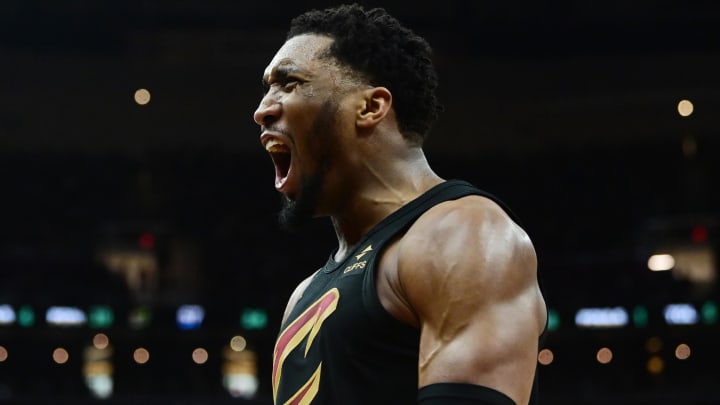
x: 386, y: 187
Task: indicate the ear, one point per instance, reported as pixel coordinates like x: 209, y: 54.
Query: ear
x: 375, y: 105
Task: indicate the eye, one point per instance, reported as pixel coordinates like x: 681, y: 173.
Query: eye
x: 285, y: 84
x: 289, y: 83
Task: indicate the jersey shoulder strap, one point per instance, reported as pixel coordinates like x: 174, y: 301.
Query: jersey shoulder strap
x: 446, y: 191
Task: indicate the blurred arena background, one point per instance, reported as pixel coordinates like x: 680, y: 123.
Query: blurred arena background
x: 140, y: 261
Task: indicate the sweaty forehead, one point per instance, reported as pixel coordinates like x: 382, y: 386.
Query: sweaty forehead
x: 299, y: 52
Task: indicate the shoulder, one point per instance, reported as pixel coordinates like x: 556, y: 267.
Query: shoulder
x: 469, y: 243
x: 296, y: 295
x: 467, y: 227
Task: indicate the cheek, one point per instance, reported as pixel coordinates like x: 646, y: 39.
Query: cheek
x: 306, y: 91
x: 299, y: 113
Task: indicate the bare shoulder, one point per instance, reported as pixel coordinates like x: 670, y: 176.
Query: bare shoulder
x: 296, y: 295
x: 469, y: 274
x: 474, y: 238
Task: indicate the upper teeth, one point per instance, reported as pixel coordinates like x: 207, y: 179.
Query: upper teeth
x: 274, y: 145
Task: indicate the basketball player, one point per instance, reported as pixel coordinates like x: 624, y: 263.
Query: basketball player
x: 431, y: 295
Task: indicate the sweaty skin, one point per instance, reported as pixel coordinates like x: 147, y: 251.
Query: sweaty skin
x: 464, y: 273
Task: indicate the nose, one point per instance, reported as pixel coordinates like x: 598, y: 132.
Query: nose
x: 268, y: 111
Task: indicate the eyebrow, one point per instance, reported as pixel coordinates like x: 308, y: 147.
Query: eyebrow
x: 280, y: 72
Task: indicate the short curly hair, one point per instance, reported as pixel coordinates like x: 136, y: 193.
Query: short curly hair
x: 384, y: 52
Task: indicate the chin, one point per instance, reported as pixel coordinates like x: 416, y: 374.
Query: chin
x: 297, y: 210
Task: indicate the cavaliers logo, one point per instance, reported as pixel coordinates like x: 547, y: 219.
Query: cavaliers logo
x: 308, y: 325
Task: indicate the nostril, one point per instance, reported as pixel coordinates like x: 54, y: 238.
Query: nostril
x: 268, y: 120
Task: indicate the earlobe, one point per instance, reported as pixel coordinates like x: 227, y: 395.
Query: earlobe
x: 376, y: 104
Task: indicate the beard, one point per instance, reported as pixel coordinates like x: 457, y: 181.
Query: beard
x: 298, y: 212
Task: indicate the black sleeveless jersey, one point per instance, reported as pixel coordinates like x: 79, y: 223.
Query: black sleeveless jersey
x: 339, y: 346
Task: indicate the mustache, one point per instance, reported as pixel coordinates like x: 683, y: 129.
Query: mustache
x: 277, y: 129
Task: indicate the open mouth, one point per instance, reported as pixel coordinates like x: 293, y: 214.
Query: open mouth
x: 281, y: 157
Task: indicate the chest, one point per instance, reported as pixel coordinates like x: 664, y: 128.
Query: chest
x: 333, y: 304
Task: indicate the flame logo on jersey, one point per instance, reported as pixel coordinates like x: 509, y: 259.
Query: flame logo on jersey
x: 308, y: 325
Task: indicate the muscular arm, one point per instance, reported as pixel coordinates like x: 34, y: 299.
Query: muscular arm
x: 468, y: 275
